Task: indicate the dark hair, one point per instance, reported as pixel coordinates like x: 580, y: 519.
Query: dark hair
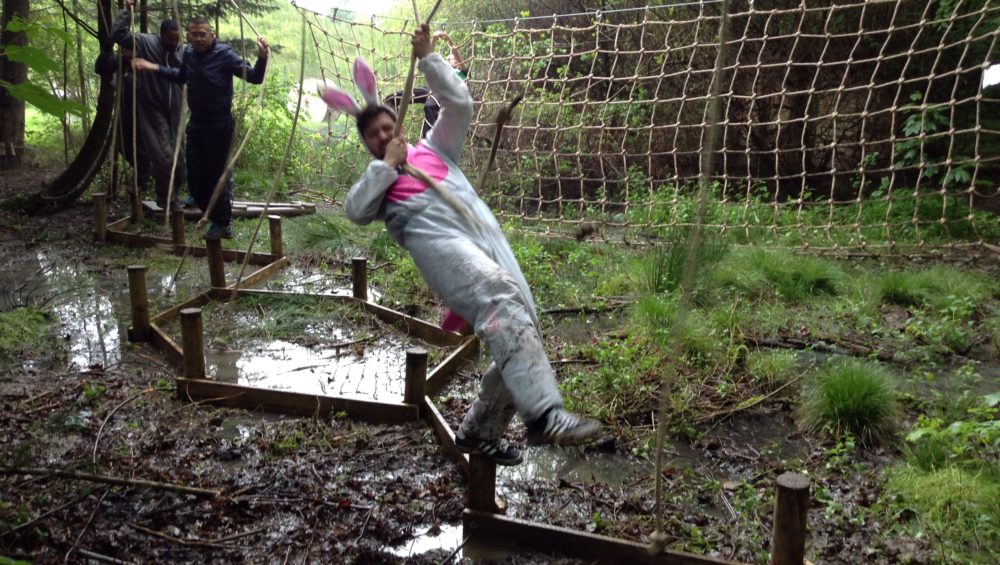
x: 169, y: 25
x: 368, y: 114
x: 199, y: 20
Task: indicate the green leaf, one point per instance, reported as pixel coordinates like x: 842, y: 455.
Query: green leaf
x: 993, y: 399
x: 43, y: 99
x: 33, y: 57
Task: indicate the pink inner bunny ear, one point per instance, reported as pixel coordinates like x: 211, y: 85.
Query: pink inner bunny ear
x: 364, y: 78
x: 339, y: 100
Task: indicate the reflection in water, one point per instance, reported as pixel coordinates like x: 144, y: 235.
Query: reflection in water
x: 375, y: 371
x: 569, y: 464
x: 446, y: 537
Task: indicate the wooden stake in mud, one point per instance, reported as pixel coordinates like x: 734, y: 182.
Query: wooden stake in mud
x: 137, y: 214
x: 274, y: 229
x: 137, y: 296
x: 482, y: 487
x: 416, y: 376
x: 193, y: 342
x: 216, y: 264
x: 791, y: 508
x: 100, y: 217
x: 177, y: 226
x: 359, y: 277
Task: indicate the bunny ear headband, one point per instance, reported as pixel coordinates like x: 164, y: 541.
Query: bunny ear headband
x: 364, y: 79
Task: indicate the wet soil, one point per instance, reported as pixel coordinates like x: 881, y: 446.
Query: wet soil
x: 336, y: 491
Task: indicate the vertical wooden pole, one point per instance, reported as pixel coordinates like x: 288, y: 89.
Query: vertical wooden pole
x: 216, y: 265
x: 193, y: 343
x: 481, y: 490
x: 137, y: 213
x: 359, y: 277
x: 140, y: 303
x: 416, y: 376
x: 274, y: 229
x: 100, y: 217
x: 791, y: 510
x: 177, y: 226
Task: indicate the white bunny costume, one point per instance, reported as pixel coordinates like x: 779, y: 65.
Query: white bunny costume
x: 471, y: 267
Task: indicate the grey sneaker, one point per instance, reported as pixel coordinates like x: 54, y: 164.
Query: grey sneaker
x: 498, y: 450
x: 558, y: 427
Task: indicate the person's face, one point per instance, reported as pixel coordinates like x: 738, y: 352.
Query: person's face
x: 378, y: 134
x: 200, y: 37
x: 170, y: 39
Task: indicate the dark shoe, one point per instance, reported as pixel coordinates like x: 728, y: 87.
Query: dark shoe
x: 559, y: 427
x: 498, y: 450
x: 219, y: 231
x: 174, y: 206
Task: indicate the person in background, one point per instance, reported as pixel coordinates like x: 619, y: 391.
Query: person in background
x: 423, y: 94
x: 107, y: 65
x: 208, y: 69
x: 460, y: 250
x: 157, y: 103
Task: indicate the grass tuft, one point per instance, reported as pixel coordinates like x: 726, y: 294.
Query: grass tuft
x: 938, y: 287
x: 851, y: 397
x: 764, y: 273
x: 771, y: 368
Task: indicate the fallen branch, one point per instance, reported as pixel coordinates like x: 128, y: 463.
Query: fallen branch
x: 100, y: 430
x: 744, y: 406
x: 108, y: 480
x: 170, y: 538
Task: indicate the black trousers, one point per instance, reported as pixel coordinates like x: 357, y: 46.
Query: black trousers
x: 207, y: 151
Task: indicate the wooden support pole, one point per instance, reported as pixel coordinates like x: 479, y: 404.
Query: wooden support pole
x: 137, y: 212
x: 139, y: 299
x: 100, y: 217
x: 274, y: 229
x: 216, y: 263
x: 177, y: 226
x: 193, y: 343
x: 481, y: 490
x: 791, y: 509
x: 359, y: 277
x: 416, y: 376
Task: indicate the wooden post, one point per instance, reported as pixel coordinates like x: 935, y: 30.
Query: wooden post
x: 416, y: 376
x: 274, y: 229
x: 137, y: 213
x: 216, y: 263
x: 791, y: 509
x: 359, y: 277
x: 140, y: 304
x: 177, y: 226
x: 100, y: 217
x: 481, y: 489
x: 193, y: 344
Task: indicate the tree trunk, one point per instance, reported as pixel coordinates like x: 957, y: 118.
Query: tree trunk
x: 12, y: 109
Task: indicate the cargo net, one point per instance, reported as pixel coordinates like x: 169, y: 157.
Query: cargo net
x: 844, y: 125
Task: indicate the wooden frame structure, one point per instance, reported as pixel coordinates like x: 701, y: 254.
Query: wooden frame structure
x: 483, y: 521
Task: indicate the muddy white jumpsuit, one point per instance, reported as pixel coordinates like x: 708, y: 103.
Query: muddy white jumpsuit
x: 470, y: 265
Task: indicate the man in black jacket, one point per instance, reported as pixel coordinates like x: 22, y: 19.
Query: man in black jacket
x: 208, y: 69
x: 157, y: 103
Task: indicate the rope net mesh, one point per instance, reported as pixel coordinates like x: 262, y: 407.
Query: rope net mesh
x: 845, y: 125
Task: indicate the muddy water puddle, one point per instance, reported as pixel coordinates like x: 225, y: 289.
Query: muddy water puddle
x: 444, y: 537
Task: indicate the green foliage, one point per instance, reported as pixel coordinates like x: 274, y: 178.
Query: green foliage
x: 39, y: 66
x: 317, y: 233
x: 662, y: 267
x: 955, y: 509
x: 971, y: 441
x: 24, y: 329
x: 851, y: 397
x: 765, y: 273
x: 771, y: 368
x: 939, y: 287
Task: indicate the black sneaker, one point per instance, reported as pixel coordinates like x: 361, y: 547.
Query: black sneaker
x: 558, y: 427
x: 219, y: 231
x: 498, y: 450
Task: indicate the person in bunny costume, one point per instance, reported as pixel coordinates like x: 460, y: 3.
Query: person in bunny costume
x: 461, y: 252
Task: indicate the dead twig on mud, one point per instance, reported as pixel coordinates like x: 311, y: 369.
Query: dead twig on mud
x: 43, y: 516
x: 457, y: 549
x: 170, y: 538
x: 86, y: 526
x: 66, y: 474
x: 745, y: 405
x: 102, y: 558
x: 100, y: 430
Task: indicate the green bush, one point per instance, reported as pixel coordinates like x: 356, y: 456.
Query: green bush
x: 851, y: 397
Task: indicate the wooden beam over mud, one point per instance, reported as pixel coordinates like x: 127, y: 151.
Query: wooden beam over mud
x: 293, y: 403
x: 439, y: 377
x: 497, y: 531
x: 167, y: 243
x: 445, y: 436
